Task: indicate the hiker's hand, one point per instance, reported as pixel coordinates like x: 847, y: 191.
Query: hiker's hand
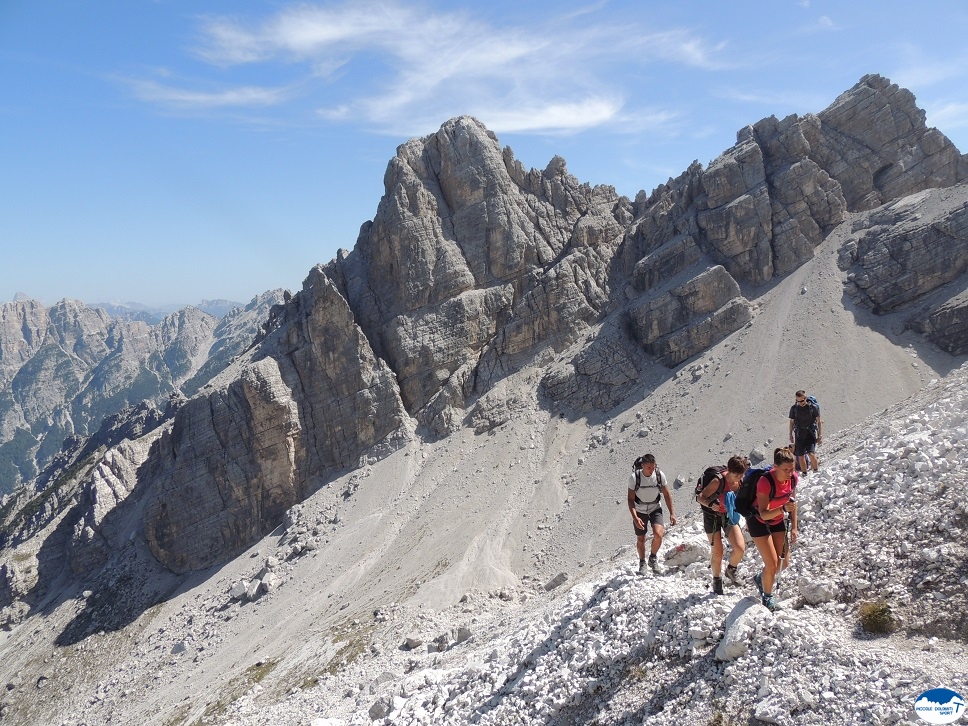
x: 672, y: 519
x: 793, y: 535
x: 637, y: 520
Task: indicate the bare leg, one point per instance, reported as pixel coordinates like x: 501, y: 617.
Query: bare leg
x: 771, y: 560
x: 658, y: 532
x: 716, y: 540
x: 735, y: 536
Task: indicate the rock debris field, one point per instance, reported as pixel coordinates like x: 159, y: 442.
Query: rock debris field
x: 883, y: 533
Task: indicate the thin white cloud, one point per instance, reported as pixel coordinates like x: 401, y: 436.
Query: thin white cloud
x: 387, y: 65
x: 948, y: 116
x: 241, y: 97
x: 919, y: 70
x: 551, y: 116
x: 774, y: 100
x: 822, y: 24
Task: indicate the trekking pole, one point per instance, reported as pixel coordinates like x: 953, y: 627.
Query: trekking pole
x: 784, y: 554
x: 786, y: 539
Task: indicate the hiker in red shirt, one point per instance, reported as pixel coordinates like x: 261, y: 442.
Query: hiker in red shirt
x: 775, y: 492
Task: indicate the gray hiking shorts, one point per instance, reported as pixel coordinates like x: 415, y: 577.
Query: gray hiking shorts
x: 713, y: 522
x: 655, y: 517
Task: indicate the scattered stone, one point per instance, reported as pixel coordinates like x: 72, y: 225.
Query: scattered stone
x: 560, y: 579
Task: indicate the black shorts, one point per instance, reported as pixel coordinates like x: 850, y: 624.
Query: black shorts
x: 713, y: 522
x: 761, y: 529
x: 655, y: 517
x: 804, y: 442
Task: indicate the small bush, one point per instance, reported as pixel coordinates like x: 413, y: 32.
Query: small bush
x: 876, y: 617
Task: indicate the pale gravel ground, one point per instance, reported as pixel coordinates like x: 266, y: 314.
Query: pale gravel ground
x: 491, y: 517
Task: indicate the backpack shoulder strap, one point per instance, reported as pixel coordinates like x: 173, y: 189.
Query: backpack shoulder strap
x: 768, y: 474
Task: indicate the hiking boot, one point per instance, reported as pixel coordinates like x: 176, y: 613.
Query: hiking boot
x: 653, y: 563
x: 758, y: 579
x: 641, y: 567
x: 718, y: 585
x: 731, y: 574
x: 769, y: 602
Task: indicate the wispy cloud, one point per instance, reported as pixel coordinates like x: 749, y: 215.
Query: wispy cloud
x: 948, y: 116
x: 239, y: 97
x: 775, y: 101
x: 390, y: 65
x: 919, y: 69
x: 822, y: 24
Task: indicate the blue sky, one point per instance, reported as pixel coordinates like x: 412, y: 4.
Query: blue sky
x: 171, y: 151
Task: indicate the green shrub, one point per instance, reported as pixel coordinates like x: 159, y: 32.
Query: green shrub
x: 877, y: 617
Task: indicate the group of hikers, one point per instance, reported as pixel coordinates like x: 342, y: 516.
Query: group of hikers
x: 765, y: 496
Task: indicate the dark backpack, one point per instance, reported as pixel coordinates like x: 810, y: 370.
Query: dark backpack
x: 659, y: 477
x: 811, y: 400
x: 712, y: 472
x: 746, y: 494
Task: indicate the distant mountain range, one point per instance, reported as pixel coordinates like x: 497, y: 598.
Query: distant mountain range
x: 151, y: 315
x: 66, y: 368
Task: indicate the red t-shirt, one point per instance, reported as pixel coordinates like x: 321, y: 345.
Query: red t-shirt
x: 783, y: 494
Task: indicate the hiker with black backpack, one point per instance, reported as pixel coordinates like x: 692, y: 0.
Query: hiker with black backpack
x: 647, y: 485
x: 767, y: 520
x: 806, y: 430
x: 712, y: 491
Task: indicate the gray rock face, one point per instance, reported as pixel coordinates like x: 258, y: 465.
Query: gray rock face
x: 874, y: 141
x: 766, y: 203
x: 909, y: 251
x: 599, y: 376
x: 947, y: 325
x: 309, y: 400
x: 690, y: 317
x: 496, y: 261
x: 897, y: 255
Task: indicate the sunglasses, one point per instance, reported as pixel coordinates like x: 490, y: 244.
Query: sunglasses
x: 801, y: 400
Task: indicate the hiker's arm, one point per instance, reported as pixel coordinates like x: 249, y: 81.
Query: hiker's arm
x: 668, y: 501
x: 819, y: 429
x: 707, y: 494
x: 635, y: 515
x: 763, y: 505
x: 791, y: 429
x: 793, y: 521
